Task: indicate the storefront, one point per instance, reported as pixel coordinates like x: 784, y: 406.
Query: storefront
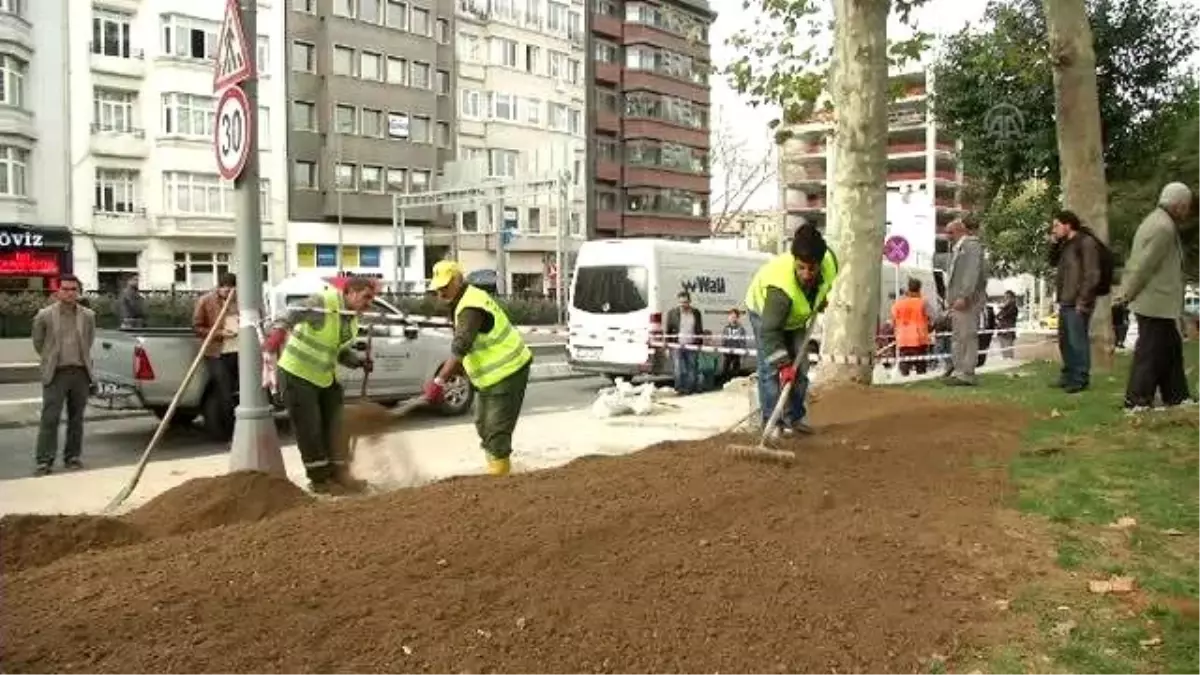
x: 32, y: 258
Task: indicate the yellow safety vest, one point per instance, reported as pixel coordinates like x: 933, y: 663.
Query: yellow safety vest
x: 497, y: 353
x: 780, y: 272
x: 312, y: 354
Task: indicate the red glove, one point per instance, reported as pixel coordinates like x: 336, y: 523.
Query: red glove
x: 787, y: 374
x: 275, y: 340
x: 433, y: 391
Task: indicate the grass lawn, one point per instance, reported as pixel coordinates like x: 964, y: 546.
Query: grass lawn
x: 1084, y: 467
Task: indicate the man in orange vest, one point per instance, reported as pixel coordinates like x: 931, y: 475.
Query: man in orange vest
x: 911, y: 323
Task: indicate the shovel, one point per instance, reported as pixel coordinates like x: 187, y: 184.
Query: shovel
x: 360, y: 416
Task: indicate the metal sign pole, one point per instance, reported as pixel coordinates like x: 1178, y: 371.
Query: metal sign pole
x: 564, y: 220
x: 255, y: 442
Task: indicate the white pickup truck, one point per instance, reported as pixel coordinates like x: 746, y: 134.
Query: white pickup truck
x: 143, y: 368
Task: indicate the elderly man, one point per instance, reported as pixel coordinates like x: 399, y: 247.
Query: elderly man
x: 62, y: 336
x: 494, y: 356
x: 966, y: 293
x: 1152, y: 287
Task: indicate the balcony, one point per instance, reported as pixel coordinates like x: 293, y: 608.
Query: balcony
x: 121, y: 225
x: 18, y: 32
x: 648, y: 127
x: 917, y: 148
x: 651, y: 81
x: 16, y: 121
x: 606, y: 25
x: 662, y: 178
x: 608, y: 170
x: 129, y: 142
x: 919, y: 176
x: 607, y: 120
x: 637, y: 33
x: 812, y: 204
x: 133, y: 67
x: 608, y: 72
x: 665, y: 225
x: 608, y: 221
x: 206, y: 226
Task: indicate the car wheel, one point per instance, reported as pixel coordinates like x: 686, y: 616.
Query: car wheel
x: 458, y: 397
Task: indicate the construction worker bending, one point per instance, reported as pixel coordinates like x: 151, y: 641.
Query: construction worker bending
x: 314, y: 339
x: 494, y: 356
x: 784, y: 295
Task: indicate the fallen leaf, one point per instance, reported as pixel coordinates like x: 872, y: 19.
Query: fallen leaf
x: 406, y: 649
x: 1054, y: 413
x: 1152, y: 642
x: 521, y: 623
x: 1122, y: 584
x: 1002, y: 605
x: 442, y: 562
x: 1099, y: 586
x: 1123, y: 523
x: 1173, y: 532
x: 1063, y: 628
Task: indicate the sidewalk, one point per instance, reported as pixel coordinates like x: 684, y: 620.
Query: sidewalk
x: 407, y: 458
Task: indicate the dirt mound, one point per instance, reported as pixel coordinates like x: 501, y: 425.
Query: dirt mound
x: 878, y: 549
x: 203, y: 503
x: 32, y: 541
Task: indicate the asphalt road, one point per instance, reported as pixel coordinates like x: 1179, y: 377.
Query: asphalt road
x: 120, y: 442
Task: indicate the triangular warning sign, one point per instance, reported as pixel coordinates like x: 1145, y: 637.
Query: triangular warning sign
x: 233, y: 51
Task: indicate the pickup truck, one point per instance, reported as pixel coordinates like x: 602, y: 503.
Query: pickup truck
x: 142, y: 369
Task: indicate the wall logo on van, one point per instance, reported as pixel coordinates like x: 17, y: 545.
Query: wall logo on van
x: 704, y: 284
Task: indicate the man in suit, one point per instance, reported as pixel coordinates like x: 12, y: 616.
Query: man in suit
x: 966, y: 293
x: 685, y: 327
x: 63, y: 335
x: 1153, y: 289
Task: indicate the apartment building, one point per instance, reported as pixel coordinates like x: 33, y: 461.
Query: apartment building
x: 522, y: 97
x: 649, y: 66
x: 35, y: 236
x: 371, y: 113
x: 139, y: 181
x: 924, y: 172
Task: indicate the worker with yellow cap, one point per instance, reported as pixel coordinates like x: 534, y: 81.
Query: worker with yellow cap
x: 494, y: 356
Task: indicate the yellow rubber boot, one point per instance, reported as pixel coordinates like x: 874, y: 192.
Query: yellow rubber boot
x: 498, y: 467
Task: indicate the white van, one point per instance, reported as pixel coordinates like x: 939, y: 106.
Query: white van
x: 623, y: 288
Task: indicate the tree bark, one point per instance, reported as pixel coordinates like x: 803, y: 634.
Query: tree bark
x: 857, y: 212
x: 1080, y: 143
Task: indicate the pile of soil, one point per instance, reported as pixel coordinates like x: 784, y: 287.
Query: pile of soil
x: 199, y: 504
x: 879, y: 549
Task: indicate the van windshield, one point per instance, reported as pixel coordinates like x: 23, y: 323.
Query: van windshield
x: 611, y: 289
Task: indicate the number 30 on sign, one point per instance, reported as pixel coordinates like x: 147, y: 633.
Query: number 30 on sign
x: 231, y: 133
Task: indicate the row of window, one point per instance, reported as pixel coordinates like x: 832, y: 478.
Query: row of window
x: 557, y: 19
x: 663, y: 107
x: 119, y: 192
x: 531, y: 220
x: 182, y: 37
x: 14, y: 171
x: 373, y: 123
x: 668, y: 19
x: 362, y: 178
x: 659, y: 154
x: 391, y: 13
x: 183, y: 115
x: 667, y: 62
x: 200, y: 270
x: 508, y: 53
x: 662, y: 201
x: 12, y: 80
x: 374, y: 67
x: 503, y: 107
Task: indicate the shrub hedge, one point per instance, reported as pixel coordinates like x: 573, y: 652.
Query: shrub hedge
x: 166, y: 309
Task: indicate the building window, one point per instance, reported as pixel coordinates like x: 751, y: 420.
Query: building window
x: 12, y: 80
x: 419, y: 21
x: 370, y: 66
x: 12, y: 7
x: 196, y: 270
x: 369, y: 11
x: 666, y: 62
x: 206, y: 194
x: 469, y: 106
x: 667, y: 108
x: 533, y: 59
x: 441, y: 80
x: 304, y: 116
x: 420, y: 180
x: 14, y: 168
x: 110, y: 33
x: 467, y: 47
x: 666, y: 155
x: 441, y: 31
x: 304, y: 57
x: 372, y: 123
x: 306, y: 6
x: 397, y: 180
x: 504, y: 52
x: 470, y: 221
x: 112, y: 110
x: 345, y: 175
x: 503, y: 163
x: 188, y: 115
x: 397, y: 71
x: 533, y: 110
x: 606, y: 149
x: 346, y: 119
x: 606, y: 200
x: 420, y: 129
x: 667, y: 19
x: 503, y: 107
x: 343, y: 62
x: 666, y: 201
x: 420, y: 75
x: 607, y: 100
x: 556, y: 17
x: 607, y: 52
x: 304, y: 175
x: 397, y: 15
x: 398, y: 125
x: 371, y: 179
x: 442, y: 134
x: 190, y: 38
x: 114, y: 267
x: 116, y: 191
x: 575, y: 121
x: 557, y: 117
x: 344, y: 8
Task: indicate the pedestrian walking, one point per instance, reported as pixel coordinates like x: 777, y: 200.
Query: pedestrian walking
x: 131, y: 305
x: 62, y: 336
x: 311, y: 340
x: 1153, y: 289
x: 966, y: 292
x: 784, y: 296
x: 494, y: 356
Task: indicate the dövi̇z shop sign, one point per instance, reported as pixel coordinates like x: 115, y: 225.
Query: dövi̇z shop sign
x: 19, y: 239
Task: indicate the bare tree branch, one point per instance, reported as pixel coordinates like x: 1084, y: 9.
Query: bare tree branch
x: 739, y: 170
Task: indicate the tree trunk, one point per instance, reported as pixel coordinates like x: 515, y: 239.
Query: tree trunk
x: 1080, y: 144
x: 857, y: 210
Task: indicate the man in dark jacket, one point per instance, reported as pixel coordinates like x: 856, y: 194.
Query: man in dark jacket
x: 132, y: 306
x: 685, y: 327
x: 1076, y: 254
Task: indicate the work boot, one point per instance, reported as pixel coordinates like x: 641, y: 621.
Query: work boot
x: 350, y: 484
x: 498, y: 467
x: 43, y: 470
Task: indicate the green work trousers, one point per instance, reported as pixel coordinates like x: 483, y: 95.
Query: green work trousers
x: 497, y: 409
x: 316, y: 416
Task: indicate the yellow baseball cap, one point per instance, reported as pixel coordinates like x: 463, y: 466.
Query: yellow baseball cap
x: 443, y: 272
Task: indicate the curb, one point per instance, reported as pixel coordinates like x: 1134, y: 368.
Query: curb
x: 103, y: 415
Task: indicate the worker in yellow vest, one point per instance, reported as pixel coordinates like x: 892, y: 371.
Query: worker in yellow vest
x: 314, y: 338
x: 784, y: 295
x: 494, y: 356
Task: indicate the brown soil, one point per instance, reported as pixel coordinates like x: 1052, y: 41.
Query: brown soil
x: 202, y: 503
x: 878, y: 549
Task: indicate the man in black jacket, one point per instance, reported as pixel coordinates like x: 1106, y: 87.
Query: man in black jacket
x: 1076, y: 254
x: 685, y: 327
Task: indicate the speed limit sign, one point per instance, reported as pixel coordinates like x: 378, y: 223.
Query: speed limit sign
x: 231, y: 132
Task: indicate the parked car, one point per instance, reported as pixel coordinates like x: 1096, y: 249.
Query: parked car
x: 143, y: 368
